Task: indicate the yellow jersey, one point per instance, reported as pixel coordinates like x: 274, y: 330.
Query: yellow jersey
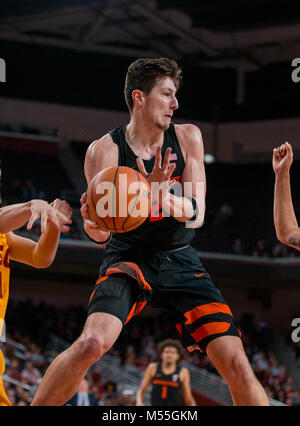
x: 4, y: 291
x: 4, y: 278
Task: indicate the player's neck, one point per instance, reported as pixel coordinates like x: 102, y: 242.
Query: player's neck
x: 167, y: 366
x: 140, y: 133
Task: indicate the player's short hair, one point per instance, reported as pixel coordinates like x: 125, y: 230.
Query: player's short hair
x: 170, y: 343
x: 143, y: 73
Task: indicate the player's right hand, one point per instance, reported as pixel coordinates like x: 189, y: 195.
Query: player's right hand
x: 40, y: 209
x: 282, y: 158
x: 91, y: 227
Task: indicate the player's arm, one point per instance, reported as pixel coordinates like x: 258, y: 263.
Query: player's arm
x: 285, y: 222
x: 186, y: 387
x: 146, y: 382
x: 14, y: 216
x: 39, y: 254
x: 193, y: 180
x: 101, y: 154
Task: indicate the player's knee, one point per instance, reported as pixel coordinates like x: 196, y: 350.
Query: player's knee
x: 91, y: 348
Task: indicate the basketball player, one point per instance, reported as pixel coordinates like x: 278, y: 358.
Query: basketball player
x: 154, y: 265
x: 169, y: 381
x: 54, y: 219
x: 286, y: 225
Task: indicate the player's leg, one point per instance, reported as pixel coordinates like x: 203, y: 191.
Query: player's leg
x: 108, y: 310
x: 228, y: 356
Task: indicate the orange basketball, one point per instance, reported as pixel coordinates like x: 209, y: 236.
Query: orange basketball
x: 119, y: 199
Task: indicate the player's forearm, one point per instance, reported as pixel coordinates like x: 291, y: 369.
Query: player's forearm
x: 140, y: 397
x: 46, y: 247
x: 14, y: 216
x: 181, y: 208
x: 284, y: 216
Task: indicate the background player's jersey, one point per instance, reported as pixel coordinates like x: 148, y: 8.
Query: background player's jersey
x: 166, y: 388
x: 4, y: 277
x: 158, y: 232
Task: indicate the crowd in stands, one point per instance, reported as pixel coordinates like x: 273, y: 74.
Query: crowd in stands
x: 136, y: 347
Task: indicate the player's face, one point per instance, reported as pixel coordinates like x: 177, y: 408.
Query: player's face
x: 161, y: 103
x: 170, y: 355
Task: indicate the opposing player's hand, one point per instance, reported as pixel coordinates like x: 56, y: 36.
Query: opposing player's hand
x: 42, y: 210
x: 282, y: 158
x: 63, y: 207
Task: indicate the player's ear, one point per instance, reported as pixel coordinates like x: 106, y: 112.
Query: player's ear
x: 138, y: 97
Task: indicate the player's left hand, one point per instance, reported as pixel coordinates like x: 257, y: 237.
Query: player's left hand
x: 160, y: 177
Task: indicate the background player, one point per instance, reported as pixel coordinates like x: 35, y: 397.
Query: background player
x: 54, y: 219
x: 286, y: 225
x: 157, y: 255
x: 170, y: 382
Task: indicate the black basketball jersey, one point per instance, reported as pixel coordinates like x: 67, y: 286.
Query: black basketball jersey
x: 158, y: 231
x: 166, y: 388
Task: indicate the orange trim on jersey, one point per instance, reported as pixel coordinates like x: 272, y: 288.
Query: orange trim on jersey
x: 209, y: 329
x: 164, y: 392
x: 166, y: 383
x: 98, y: 282
x: 207, y: 309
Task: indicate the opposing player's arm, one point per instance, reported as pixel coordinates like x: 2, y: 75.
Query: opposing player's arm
x: 285, y: 222
x: 37, y: 254
x: 193, y: 180
x: 42, y: 253
x: 146, y: 382
x: 186, y: 387
x: 101, y: 154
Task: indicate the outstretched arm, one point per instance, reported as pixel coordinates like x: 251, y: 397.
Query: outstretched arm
x: 42, y: 253
x: 286, y: 225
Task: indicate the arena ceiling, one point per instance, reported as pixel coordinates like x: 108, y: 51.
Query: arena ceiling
x: 241, y: 34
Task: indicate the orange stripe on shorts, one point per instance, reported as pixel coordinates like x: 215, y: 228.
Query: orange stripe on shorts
x: 206, y: 330
x: 207, y: 309
x: 98, y: 282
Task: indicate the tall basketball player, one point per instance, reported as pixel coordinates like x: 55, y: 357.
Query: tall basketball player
x: 155, y: 263
x: 170, y: 382
x: 54, y: 219
x: 286, y: 225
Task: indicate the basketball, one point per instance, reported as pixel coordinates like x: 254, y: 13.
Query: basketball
x: 119, y: 199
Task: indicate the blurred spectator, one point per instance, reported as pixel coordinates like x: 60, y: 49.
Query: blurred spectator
x: 224, y: 215
x: 237, y: 247
x: 280, y: 250
x: 259, y: 249
x: 110, y: 386
x: 83, y: 397
x: 30, y: 374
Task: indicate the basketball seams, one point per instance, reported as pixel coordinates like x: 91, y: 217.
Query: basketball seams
x: 113, y: 199
x: 135, y: 203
